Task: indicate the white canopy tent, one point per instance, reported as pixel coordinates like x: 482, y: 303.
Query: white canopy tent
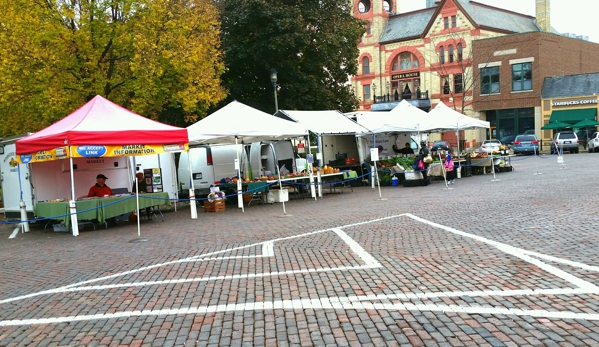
x: 444, y: 118
x: 239, y: 122
x: 324, y: 123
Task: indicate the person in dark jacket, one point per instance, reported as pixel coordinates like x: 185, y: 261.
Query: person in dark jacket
x: 423, y: 152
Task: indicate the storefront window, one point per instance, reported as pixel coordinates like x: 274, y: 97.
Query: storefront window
x: 522, y: 77
x: 510, y: 122
x: 489, y: 80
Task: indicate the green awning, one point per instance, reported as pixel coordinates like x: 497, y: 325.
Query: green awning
x: 573, y: 116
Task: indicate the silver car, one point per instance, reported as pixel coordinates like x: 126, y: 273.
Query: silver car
x: 565, y: 141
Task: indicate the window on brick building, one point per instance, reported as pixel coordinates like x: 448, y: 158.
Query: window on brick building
x: 387, y: 5
x: 521, y: 77
x: 405, y: 61
x: 451, y: 53
x: 454, y: 21
x: 446, y: 22
x: 458, y: 84
x: 365, y: 66
x: 442, y: 55
x: 446, y: 89
x: 366, y: 92
x: 368, y: 28
x: 460, y: 52
x: 489, y: 80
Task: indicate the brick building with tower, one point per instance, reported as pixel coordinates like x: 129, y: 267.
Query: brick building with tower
x: 426, y: 56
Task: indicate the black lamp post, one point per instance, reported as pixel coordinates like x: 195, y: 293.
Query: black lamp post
x: 273, y: 79
x: 387, y: 84
x: 374, y: 92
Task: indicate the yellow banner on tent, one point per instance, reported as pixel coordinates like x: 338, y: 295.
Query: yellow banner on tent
x: 93, y: 151
x: 126, y: 150
x: 42, y: 156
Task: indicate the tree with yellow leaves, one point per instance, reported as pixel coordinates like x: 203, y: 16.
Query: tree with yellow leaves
x: 146, y: 55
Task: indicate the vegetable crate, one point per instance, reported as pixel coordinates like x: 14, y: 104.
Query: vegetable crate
x: 217, y: 205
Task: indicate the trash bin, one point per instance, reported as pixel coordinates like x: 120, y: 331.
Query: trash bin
x: 395, y: 181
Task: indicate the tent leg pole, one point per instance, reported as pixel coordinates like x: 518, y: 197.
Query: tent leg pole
x: 72, y: 204
x: 192, y: 194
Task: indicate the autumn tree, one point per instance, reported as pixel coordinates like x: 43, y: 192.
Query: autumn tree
x: 311, y: 44
x: 146, y: 55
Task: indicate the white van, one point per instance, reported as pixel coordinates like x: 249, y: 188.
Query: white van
x: 265, y: 156
x: 210, y: 163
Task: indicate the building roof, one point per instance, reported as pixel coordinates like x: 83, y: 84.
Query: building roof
x: 407, y: 25
x: 497, y: 18
x: 414, y: 24
x: 572, y: 85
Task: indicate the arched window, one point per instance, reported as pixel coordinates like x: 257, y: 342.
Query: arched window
x: 442, y: 55
x: 405, y: 61
x: 365, y: 66
x: 364, y: 6
x: 451, y: 53
x: 387, y: 5
x: 459, y: 52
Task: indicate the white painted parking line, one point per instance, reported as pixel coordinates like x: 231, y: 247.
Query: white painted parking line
x: 357, y: 249
x: 349, y: 302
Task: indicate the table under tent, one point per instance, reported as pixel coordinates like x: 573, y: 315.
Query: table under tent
x: 339, y: 141
x: 96, y: 138
x: 239, y: 123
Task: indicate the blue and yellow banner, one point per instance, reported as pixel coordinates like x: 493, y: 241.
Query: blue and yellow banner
x: 98, y: 151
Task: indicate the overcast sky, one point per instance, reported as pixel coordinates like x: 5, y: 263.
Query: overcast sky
x: 567, y: 16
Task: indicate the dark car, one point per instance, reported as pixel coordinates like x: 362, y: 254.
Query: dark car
x: 526, y: 144
x: 441, y: 146
x: 508, y: 140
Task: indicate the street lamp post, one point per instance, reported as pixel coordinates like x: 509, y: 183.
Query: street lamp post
x: 374, y: 92
x: 273, y: 79
x: 387, y: 85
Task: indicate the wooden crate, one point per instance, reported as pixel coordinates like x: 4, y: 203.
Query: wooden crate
x: 217, y: 205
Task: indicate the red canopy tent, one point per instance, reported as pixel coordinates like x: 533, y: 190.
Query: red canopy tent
x: 100, y: 128
x: 100, y: 121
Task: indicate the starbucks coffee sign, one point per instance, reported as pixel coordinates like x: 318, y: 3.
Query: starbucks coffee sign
x: 575, y: 102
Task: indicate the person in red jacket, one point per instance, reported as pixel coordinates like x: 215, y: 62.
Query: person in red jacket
x: 100, y: 188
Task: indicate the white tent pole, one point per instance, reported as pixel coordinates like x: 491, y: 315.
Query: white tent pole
x: 281, y: 187
x: 319, y: 161
x: 192, y: 194
x: 137, y: 200
x: 378, y: 182
x: 239, y: 186
x: 72, y: 203
x: 310, y: 171
x: 174, y: 178
x: 22, y: 206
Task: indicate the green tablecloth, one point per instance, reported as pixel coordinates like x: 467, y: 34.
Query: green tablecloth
x: 53, y: 209
x: 254, y: 187
x: 101, y: 208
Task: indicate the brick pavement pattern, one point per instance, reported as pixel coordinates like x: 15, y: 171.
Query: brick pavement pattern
x: 507, y: 263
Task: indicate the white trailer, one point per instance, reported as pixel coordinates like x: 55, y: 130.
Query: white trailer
x: 12, y: 186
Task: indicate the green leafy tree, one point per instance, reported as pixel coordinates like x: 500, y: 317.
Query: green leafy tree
x: 159, y: 58
x: 312, y: 45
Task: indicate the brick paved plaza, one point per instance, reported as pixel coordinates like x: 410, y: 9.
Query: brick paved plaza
x: 513, y: 262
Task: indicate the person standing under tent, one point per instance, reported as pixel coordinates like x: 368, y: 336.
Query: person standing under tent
x: 422, y: 153
x: 140, y: 180
x: 449, y: 169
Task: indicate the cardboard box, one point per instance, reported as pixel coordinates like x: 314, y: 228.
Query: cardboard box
x: 412, y: 175
x: 217, y: 205
x: 281, y: 195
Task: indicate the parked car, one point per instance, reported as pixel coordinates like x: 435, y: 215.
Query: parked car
x: 508, y: 140
x: 526, y: 144
x: 565, y: 141
x: 489, y: 146
x: 441, y: 145
x: 593, y: 142
x: 529, y: 132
